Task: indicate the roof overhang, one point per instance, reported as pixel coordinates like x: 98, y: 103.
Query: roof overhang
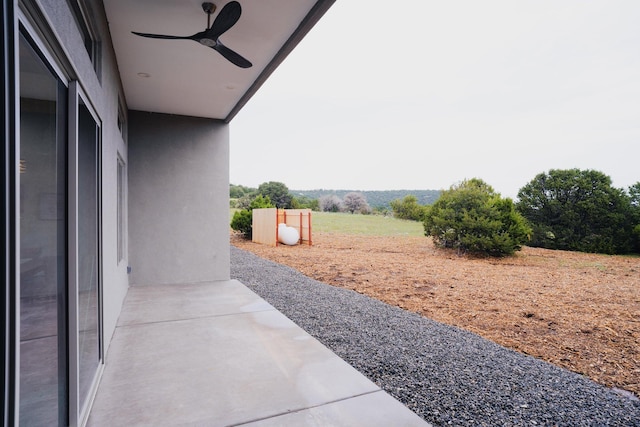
x: 186, y: 78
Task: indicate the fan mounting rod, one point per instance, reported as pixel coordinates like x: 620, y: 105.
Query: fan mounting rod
x: 208, y: 8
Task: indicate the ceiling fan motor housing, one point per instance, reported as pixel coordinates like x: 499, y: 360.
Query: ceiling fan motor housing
x: 208, y: 42
x: 208, y: 7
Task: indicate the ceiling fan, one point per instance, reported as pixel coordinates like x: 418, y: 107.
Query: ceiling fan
x: 210, y: 37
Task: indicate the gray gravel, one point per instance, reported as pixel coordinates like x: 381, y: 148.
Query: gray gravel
x: 446, y: 375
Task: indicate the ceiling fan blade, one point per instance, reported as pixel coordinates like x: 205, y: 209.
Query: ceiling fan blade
x: 226, y: 19
x: 232, y: 56
x: 162, y: 36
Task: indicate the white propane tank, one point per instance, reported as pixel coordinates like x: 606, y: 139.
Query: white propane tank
x: 287, y: 235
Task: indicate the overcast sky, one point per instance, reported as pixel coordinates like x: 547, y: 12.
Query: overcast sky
x: 421, y: 94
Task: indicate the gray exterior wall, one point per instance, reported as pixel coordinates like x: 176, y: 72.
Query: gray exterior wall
x: 178, y: 199
x: 104, y: 94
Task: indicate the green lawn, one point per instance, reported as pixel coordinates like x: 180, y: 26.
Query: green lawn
x: 374, y: 225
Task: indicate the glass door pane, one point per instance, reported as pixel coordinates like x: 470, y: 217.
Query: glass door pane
x: 88, y: 251
x: 43, y: 242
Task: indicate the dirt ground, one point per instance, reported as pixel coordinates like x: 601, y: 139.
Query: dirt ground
x: 579, y: 311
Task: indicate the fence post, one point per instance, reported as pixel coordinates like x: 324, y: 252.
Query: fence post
x: 277, y: 217
x: 309, y: 218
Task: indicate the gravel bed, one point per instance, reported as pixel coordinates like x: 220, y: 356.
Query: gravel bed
x: 446, y: 375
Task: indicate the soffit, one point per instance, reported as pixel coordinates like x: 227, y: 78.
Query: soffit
x: 186, y: 78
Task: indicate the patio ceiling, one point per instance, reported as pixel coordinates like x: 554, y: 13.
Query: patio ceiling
x: 186, y: 78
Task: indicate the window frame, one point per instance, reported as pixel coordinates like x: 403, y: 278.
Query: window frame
x: 30, y: 23
x: 77, y: 412
x: 121, y: 209
x: 82, y: 14
x: 10, y: 259
x: 27, y: 28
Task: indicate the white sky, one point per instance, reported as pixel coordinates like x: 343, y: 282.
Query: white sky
x: 421, y: 94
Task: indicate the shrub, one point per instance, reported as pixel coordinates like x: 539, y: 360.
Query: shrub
x: 277, y: 192
x: 243, y: 220
x: 356, y: 202
x: 304, y: 202
x: 578, y: 210
x: 472, y: 217
x: 408, y: 208
x: 330, y: 203
x: 636, y: 238
x: 634, y: 199
x: 244, y: 202
x: 237, y: 191
x: 382, y: 210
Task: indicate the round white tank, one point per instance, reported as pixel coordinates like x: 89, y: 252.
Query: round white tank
x: 287, y: 235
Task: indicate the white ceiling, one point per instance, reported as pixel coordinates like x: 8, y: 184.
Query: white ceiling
x: 184, y: 77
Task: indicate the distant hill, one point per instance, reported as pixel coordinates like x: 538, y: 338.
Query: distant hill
x: 376, y: 199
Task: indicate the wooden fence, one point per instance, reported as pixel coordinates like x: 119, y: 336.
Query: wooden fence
x: 265, y: 224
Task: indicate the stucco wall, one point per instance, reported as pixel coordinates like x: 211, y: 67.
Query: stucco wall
x: 178, y: 199
x: 104, y: 94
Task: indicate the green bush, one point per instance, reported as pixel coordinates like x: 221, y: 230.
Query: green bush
x: 277, y: 192
x: 237, y: 191
x: 578, y: 210
x: 304, y: 202
x: 242, y: 220
x: 472, y: 217
x: 634, y: 199
x: 330, y: 203
x: 408, y: 208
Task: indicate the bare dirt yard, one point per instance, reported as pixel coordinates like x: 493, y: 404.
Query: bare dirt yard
x: 576, y: 310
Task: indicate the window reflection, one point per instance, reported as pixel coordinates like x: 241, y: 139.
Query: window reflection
x: 43, y: 372
x: 88, y: 265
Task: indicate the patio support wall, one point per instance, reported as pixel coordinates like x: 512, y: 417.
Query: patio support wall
x: 178, y: 199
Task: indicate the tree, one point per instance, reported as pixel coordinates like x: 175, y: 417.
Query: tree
x: 634, y: 195
x: 472, y: 217
x: 243, y: 219
x: 577, y: 210
x: 330, y: 203
x: 355, y: 202
x: 237, y: 191
x: 244, y: 202
x: 304, y: 202
x: 277, y: 192
x: 408, y: 208
x: 634, y: 199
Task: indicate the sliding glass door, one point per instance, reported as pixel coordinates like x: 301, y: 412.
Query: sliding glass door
x: 87, y: 285
x: 59, y: 236
x: 43, y: 241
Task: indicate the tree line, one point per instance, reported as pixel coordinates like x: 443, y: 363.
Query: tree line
x: 277, y: 195
x: 568, y: 209
x: 281, y: 197
x: 378, y: 200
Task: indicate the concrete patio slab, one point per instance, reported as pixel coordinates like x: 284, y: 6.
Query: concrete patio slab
x: 374, y: 409
x: 148, y: 304
x: 216, y: 354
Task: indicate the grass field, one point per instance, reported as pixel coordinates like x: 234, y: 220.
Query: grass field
x: 372, y: 225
